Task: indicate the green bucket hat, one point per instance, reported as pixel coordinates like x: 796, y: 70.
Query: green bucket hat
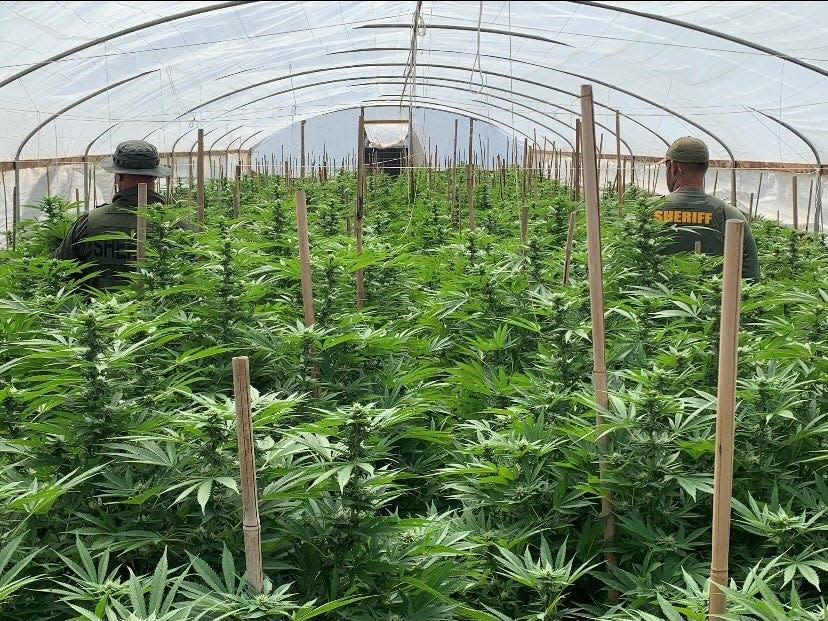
x: 136, y: 157
x: 687, y: 149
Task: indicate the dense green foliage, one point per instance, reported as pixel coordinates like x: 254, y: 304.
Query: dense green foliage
x: 443, y: 461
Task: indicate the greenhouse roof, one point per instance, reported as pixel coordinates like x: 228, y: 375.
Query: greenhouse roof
x: 748, y: 77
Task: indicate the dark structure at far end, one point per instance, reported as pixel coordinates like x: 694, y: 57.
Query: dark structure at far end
x: 391, y: 146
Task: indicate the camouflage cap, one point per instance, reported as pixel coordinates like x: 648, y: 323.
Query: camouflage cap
x: 687, y: 149
x: 136, y: 157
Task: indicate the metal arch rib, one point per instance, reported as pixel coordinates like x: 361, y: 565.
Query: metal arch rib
x: 804, y: 138
x: 523, y: 116
x: 120, y: 33
x: 713, y: 33
x: 455, y: 67
x: 497, y: 31
x: 16, y: 206
x: 521, y: 62
x: 75, y: 103
x: 538, y: 99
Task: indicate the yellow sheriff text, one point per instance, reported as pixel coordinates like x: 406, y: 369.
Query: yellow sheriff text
x: 683, y: 216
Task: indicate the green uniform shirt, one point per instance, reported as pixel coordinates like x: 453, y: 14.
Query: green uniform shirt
x: 112, y: 256
x: 701, y: 218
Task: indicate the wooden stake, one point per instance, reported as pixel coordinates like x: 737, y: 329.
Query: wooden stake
x: 794, y: 201
x: 733, y: 184
x: 200, y: 179
x: 596, y: 298
x: 726, y: 405
x: 236, y: 190
x: 576, y: 163
x: 141, y: 226
x: 715, y: 182
x: 470, y: 178
x: 524, y: 223
x: 360, y: 202
x: 570, y: 235
x: 619, y: 163
x: 304, y: 256
x: 48, y: 182
x: 750, y: 208
x: 77, y: 202
x: 251, y: 526
x: 697, y: 246
x: 810, y: 196
x: 758, y: 194
x: 302, y: 147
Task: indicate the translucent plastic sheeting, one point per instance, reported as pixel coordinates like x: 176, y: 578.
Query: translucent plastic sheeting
x: 520, y: 64
x: 386, y: 135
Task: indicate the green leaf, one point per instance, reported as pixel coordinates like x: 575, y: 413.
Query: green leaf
x: 203, y: 494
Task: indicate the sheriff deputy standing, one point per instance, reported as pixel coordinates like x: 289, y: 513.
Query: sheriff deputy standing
x: 699, y: 217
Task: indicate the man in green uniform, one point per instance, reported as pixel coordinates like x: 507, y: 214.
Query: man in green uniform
x: 697, y: 216
x: 133, y: 162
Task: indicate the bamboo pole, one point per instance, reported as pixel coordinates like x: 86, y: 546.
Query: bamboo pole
x: 360, y: 202
x: 302, y: 148
x: 251, y: 526
x: 141, y: 226
x: 810, y: 196
x: 570, y: 236
x: 794, y: 203
x: 758, y: 194
x: 236, y: 190
x: 470, y: 178
x: 576, y: 164
x: 304, y: 256
x: 524, y: 223
x: 618, y: 160
x: 726, y: 405
x: 410, y: 158
x: 596, y: 297
x: 200, y: 179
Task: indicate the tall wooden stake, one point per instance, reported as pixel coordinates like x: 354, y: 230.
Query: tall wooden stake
x: 304, y: 256
x: 251, y: 526
x: 733, y: 184
x: 360, y: 202
x: 794, y: 201
x: 200, y: 180
x: 470, y: 178
x: 810, y: 196
x: 751, y: 213
x: 236, y: 190
x: 141, y: 227
x: 570, y: 236
x: 758, y: 194
x: 715, y: 182
x: 620, y: 185
x: 596, y: 298
x: 576, y: 163
x: 726, y: 405
x: 302, y: 146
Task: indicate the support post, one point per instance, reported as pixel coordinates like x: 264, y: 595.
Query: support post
x: 576, y: 163
x: 304, y: 257
x: 236, y: 190
x: 596, y: 297
x: 620, y: 163
x: 570, y: 236
x: 794, y: 203
x: 360, y: 203
x: 470, y: 178
x: 302, y: 141
x: 141, y: 227
x: 726, y: 405
x: 200, y: 179
x: 251, y: 526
